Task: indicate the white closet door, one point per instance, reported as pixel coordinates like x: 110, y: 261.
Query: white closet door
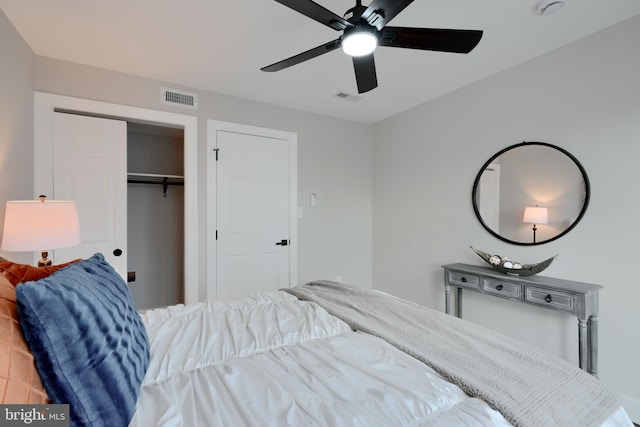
x: 90, y: 167
x: 252, y: 214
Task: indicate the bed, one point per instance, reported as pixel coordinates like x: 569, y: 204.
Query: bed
x: 322, y: 354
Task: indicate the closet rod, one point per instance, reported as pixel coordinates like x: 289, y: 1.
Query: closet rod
x: 165, y: 183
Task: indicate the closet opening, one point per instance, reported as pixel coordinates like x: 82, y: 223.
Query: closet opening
x: 155, y: 214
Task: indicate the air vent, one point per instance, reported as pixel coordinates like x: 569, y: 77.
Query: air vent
x: 348, y: 97
x: 179, y: 98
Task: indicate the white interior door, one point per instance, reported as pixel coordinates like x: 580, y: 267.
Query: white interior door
x: 90, y: 167
x: 253, y: 213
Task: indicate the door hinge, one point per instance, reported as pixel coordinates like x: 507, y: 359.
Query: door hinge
x: 216, y: 150
x: 216, y: 234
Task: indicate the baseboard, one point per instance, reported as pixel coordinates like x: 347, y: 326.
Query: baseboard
x: 632, y: 406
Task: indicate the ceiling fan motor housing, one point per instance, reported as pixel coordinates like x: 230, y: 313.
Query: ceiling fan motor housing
x: 361, y: 27
x: 361, y: 38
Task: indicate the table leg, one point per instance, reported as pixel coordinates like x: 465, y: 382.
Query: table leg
x: 447, y: 298
x: 582, y: 344
x: 459, y: 302
x: 593, y: 345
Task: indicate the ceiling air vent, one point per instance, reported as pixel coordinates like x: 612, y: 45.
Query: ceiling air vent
x: 179, y: 98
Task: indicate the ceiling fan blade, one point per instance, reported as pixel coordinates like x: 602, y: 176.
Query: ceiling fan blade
x: 457, y: 41
x: 365, y: 68
x: 304, y: 56
x: 318, y: 13
x: 380, y: 12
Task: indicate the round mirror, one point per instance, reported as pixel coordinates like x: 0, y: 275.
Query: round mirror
x: 531, y: 193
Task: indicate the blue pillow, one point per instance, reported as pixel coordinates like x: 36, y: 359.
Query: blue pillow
x: 89, y: 343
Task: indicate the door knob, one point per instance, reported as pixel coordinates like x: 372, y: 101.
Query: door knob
x: 117, y: 252
x: 283, y: 242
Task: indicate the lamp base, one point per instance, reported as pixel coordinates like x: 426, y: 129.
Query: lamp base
x: 44, y: 261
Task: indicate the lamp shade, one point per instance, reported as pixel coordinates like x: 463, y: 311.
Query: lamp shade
x: 535, y: 215
x: 32, y: 225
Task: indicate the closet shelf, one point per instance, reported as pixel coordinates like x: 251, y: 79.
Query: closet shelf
x: 154, y: 175
x: 155, y: 179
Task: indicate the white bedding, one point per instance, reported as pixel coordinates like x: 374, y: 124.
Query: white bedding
x: 271, y: 360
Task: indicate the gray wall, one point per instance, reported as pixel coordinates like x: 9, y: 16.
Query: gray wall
x: 584, y: 97
x: 16, y: 122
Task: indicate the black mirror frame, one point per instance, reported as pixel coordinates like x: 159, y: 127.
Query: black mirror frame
x: 587, y: 188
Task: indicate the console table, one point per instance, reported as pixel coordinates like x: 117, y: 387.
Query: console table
x: 577, y: 298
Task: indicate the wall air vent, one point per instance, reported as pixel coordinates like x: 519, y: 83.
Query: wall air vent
x: 178, y: 98
x: 348, y: 97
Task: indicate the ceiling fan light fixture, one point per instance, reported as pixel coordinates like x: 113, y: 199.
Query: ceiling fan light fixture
x: 359, y: 42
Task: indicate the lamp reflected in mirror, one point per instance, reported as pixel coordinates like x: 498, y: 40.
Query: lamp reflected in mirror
x: 535, y: 215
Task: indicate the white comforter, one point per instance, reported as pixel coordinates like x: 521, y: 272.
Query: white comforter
x: 271, y: 360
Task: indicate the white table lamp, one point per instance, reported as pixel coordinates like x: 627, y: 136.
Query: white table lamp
x: 40, y: 225
x: 535, y: 215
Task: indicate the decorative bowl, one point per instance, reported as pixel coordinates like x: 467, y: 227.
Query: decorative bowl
x: 505, y: 265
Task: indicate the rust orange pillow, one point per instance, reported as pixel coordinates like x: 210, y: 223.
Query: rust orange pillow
x: 19, y: 378
x: 18, y: 273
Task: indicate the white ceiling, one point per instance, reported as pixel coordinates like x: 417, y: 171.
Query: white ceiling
x: 220, y: 46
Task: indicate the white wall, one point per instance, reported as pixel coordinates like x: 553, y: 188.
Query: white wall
x: 16, y: 122
x: 584, y: 97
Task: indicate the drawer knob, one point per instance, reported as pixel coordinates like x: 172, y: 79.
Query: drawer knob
x: 499, y: 287
x: 463, y: 280
x: 548, y: 298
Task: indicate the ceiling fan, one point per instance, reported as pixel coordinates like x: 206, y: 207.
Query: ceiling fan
x: 364, y: 28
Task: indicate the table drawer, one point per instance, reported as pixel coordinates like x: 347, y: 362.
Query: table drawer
x: 464, y: 280
x: 503, y: 289
x: 552, y: 299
